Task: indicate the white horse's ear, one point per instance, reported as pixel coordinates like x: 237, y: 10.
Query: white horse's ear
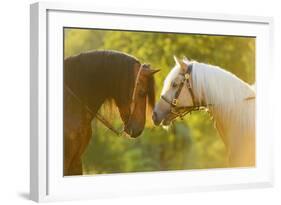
x: 177, y: 61
x: 180, y: 64
x: 185, y: 59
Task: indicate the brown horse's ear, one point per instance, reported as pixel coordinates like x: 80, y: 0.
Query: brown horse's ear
x: 150, y: 72
x: 153, y: 71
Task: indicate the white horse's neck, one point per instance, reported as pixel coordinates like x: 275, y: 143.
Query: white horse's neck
x: 234, y: 115
x: 217, y: 86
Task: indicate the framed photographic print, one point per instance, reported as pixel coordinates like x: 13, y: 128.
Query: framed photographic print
x: 127, y: 102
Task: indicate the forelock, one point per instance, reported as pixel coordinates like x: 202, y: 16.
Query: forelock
x: 170, y: 77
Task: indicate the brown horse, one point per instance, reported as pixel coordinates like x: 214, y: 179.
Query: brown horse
x: 93, y: 78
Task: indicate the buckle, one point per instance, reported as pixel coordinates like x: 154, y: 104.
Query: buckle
x: 186, y: 76
x: 175, y: 102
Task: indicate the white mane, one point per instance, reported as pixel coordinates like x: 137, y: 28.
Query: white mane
x: 219, y: 86
x: 230, y: 101
x: 232, y: 106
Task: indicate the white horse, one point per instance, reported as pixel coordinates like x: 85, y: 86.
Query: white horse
x: 191, y: 86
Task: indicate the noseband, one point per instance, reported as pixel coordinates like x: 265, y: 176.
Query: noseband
x: 181, y: 111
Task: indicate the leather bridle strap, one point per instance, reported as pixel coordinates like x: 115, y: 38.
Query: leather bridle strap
x: 183, y: 110
x: 133, y: 103
x: 97, y: 115
x: 186, y: 79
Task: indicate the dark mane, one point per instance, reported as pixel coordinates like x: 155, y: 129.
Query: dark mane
x: 100, y: 75
x: 151, y: 92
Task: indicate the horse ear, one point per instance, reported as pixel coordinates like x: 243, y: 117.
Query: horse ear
x: 177, y: 61
x: 153, y: 71
x: 185, y: 59
x: 180, y: 64
x: 150, y: 72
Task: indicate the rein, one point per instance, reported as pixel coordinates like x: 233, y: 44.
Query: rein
x: 104, y: 121
x: 97, y: 115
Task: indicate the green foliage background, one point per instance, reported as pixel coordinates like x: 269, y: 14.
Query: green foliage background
x: 189, y: 144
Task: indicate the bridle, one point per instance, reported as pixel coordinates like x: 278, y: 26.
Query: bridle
x: 181, y: 111
x: 103, y: 120
x: 133, y: 100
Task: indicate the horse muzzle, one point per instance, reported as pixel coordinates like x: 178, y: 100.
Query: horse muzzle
x: 133, y: 131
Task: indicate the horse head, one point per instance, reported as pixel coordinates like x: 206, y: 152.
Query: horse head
x: 176, y: 96
x: 133, y: 111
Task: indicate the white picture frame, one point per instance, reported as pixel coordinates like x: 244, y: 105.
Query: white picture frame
x: 46, y: 179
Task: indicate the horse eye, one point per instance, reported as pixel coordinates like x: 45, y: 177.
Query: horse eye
x: 174, y: 85
x: 142, y: 93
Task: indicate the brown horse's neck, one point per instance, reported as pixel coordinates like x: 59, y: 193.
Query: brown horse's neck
x: 73, y: 100
x: 99, y: 76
